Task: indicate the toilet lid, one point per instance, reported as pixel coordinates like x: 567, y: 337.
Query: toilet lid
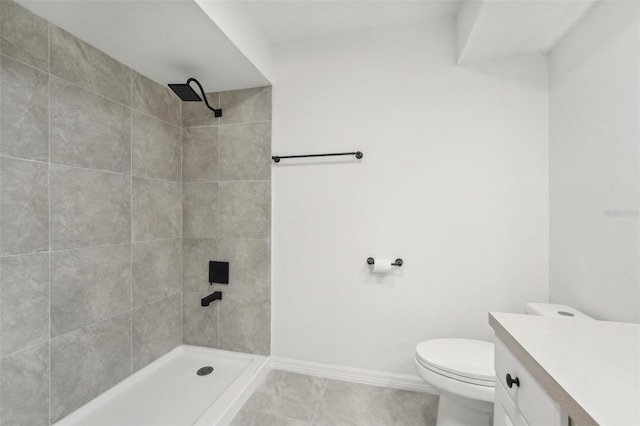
x: 467, y: 358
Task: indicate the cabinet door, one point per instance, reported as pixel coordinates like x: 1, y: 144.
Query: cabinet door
x: 529, y: 398
x: 505, y: 412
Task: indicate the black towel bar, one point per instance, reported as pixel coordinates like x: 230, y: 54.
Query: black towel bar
x: 277, y: 158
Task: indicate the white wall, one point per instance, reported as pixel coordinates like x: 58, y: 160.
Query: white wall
x: 594, y: 164
x: 454, y: 180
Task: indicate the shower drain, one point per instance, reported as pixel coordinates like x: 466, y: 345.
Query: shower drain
x: 205, y: 370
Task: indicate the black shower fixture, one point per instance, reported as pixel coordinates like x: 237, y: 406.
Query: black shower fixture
x: 187, y: 94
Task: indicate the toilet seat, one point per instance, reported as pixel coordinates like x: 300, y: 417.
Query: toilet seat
x: 466, y: 360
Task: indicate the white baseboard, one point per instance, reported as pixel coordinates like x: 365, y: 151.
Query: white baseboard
x: 352, y: 374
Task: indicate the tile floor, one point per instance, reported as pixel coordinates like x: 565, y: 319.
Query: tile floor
x: 290, y: 399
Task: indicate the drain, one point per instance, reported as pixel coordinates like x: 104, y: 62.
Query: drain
x: 205, y: 370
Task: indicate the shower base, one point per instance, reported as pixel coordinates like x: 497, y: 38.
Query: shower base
x: 179, y: 388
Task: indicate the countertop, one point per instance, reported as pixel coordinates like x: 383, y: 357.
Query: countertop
x: 590, y: 368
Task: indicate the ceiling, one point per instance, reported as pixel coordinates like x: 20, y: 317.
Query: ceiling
x: 283, y: 22
x: 500, y: 29
x: 168, y: 41
x: 172, y: 40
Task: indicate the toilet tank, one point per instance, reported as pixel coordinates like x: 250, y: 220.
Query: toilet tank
x: 553, y: 310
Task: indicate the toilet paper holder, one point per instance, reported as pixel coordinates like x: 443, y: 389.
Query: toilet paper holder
x: 371, y: 261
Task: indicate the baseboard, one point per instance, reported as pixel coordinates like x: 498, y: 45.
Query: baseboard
x: 352, y: 374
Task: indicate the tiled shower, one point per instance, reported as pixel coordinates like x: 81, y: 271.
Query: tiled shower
x: 114, y: 195
x: 226, y: 215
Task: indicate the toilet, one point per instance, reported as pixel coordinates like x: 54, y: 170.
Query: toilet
x: 461, y: 371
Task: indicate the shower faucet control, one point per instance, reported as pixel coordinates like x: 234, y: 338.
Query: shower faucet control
x: 216, y: 295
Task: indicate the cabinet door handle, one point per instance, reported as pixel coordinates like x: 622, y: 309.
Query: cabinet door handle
x: 511, y: 381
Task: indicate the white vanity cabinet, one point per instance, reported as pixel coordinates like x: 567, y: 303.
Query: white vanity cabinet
x: 519, y: 398
x: 581, y: 369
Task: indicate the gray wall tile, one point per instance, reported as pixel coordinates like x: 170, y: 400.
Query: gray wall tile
x: 245, y: 210
x: 200, y: 210
x: 156, y: 270
x: 89, y: 208
x: 24, y: 35
x: 157, y: 209
x: 24, y: 111
x: 199, y: 323
x: 89, y: 285
x: 245, y: 151
x: 24, y: 301
x: 88, y: 130
x: 156, y: 330
x: 200, y: 154
x: 24, y: 387
x: 196, y: 254
x: 249, y: 105
x: 155, y: 99
x: 80, y: 63
x: 245, y: 325
x: 238, y: 156
x: 249, y: 268
x: 88, y: 361
x: 24, y: 212
x: 156, y: 148
x: 196, y: 114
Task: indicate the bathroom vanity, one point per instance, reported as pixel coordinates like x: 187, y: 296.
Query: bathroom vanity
x: 553, y: 371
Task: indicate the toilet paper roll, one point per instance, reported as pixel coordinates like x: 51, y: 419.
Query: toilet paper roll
x: 382, y: 266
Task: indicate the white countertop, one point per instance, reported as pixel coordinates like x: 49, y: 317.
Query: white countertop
x: 591, y: 368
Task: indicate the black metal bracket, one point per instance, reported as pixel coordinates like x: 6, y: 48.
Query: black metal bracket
x: 277, y: 158
x: 217, y: 112
x: 398, y: 262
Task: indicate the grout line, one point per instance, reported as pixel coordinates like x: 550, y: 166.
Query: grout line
x: 159, y: 299
x: 131, y: 216
x: 130, y: 175
x: 24, y: 63
x: 229, y: 239
x: 91, y: 324
x: 235, y: 181
x: 154, y: 117
x: 115, y: 101
x: 79, y: 86
x: 70, y: 166
x: 0, y: 240
x: 92, y: 247
x: 42, y: 342
x: 49, y: 207
x: 228, y: 124
x: 181, y: 227
x: 315, y: 413
x: 244, y: 122
x: 218, y: 212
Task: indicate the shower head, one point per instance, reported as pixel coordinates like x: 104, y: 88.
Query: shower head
x: 187, y: 94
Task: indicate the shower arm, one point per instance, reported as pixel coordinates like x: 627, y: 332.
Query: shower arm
x: 218, y: 112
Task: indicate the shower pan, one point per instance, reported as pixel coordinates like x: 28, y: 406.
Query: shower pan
x: 188, y: 386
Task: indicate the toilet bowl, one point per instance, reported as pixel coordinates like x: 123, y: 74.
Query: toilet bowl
x: 462, y: 372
